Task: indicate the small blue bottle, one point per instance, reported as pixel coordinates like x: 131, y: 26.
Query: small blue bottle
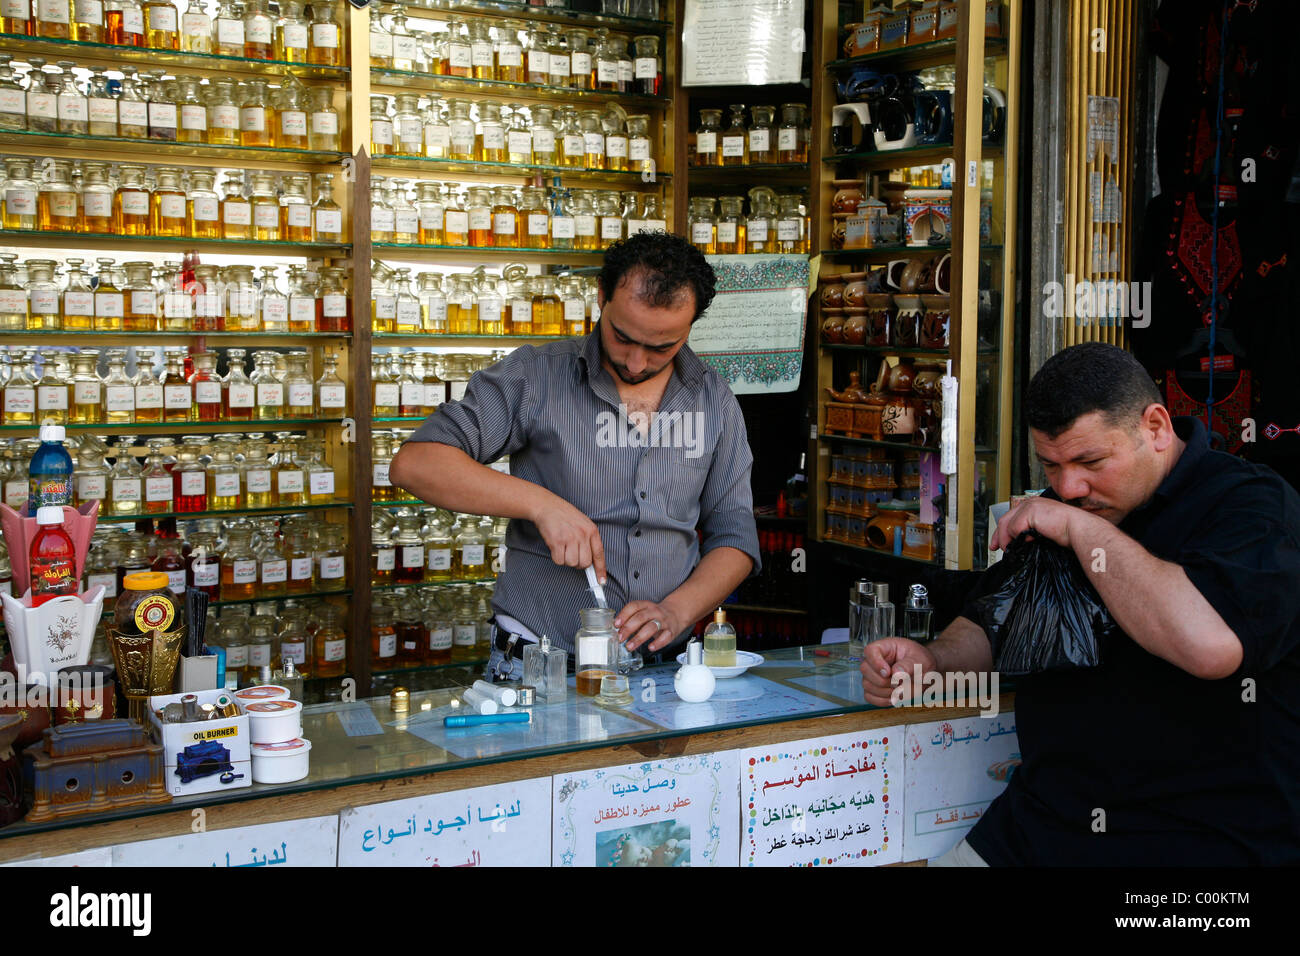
x: 50, y: 473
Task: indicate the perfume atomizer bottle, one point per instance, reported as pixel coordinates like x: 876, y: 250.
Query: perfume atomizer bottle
x: 917, y: 615
x: 188, y: 710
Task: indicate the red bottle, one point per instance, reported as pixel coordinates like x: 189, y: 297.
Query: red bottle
x: 53, y: 561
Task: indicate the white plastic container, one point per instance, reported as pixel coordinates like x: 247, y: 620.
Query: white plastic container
x: 274, y: 721
x: 250, y: 695
x: 284, y: 762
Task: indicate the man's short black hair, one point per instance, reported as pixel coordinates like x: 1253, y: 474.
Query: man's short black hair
x: 1084, y: 378
x: 666, y: 263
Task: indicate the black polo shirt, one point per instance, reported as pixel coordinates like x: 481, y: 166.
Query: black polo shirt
x: 1137, y: 762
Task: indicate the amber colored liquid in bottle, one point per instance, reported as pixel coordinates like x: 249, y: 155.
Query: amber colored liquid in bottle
x: 115, y: 30
x: 384, y: 634
x: 230, y: 591
x: 321, y: 666
x: 548, y: 317
x: 131, y: 223
x: 431, y: 656
x: 20, y: 25
x: 164, y: 202
x: 588, y: 681
x: 292, y: 233
x: 481, y: 238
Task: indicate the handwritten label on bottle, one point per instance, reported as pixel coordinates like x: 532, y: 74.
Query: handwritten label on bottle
x: 322, y: 483
x: 289, y: 482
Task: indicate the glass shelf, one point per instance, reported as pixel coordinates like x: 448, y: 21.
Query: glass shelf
x: 581, y: 174
x: 532, y: 11
x: 916, y: 55
x: 45, y: 334
x: 401, y: 503
x: 881, y: 253
x: 896, y: 445
x: 18, y: 44
x: 929, y: 155
x: 82, y: 240
x: 245, y: 425
x: 298, y: 596
x: 772, y: 173
x: 225, y: 512
x: 431, y: 584
x: 434, y: 338
x: 429, y: 668
x: 477, y: 253
x: 764, y: 609
x: 406, y: 419
x: 156, y: 150
x: 384, y: 78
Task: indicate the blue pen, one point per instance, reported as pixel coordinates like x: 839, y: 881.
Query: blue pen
x: 471, y: 720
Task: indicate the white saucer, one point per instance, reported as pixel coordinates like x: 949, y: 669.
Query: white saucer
x: 744, y: 661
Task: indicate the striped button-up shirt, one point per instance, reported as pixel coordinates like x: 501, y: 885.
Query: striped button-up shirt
x: 556, y: 412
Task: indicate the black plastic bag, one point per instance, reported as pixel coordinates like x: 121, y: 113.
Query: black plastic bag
x: 1045, y: 615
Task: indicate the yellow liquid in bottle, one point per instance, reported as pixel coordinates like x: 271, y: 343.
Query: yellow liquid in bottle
x: 720, y: 650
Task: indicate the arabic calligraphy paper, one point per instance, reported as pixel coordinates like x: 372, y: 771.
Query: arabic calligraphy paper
x: 953, y: 770
x: 742, y: 42
x: 675, y: 812
x: 485, y: 826
x: 311, y: 841
x: 826, y: 801
x: 752, y: 333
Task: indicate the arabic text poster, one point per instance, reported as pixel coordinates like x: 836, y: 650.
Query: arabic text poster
x: 828, y: 801
x: 953, y: 770
x: 102, y: 856
x: 485, y: 826
x: 676, y: 812
x: 312, y: 841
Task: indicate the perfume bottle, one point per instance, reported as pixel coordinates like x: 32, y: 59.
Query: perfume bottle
x: 544, y: 669
x: 917, y: 615
x: 719, y: 642
x: 882, y: 615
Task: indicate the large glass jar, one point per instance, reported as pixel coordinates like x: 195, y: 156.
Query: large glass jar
x: 762, y: 146
x: 790, y: 146
x: 259, y: 31
x: 585, y: 221
x: 327, y: 215
x: 593, y: 139
x: 759, y: 232
x: 329, y: 644
x: 571, y: 151
x: 238, y: 391
x: 291, y: 106
x: 326, y: 47
x: 469, y: 558
x: 731, y: 225
x: 223, y: 113
x: 241, y: 299
x: 331, y: 390
x: 789, y: 225
x: 707, y: 151
x: 647, y: 68
x: 196, y: 28
x: 291, y: 34
x: 300, y: 398
x: 610, y: 213
x: 119, y: 391
x: 193, y: 112
x: 333, y: 302
x: 595, y: 649
x: 735, y: 139
x: 701, y: 225
x: 124, y: 481
x: 228, y: 30
x: 206, y: 386
x: 381, y: 126
x: 131, y: 203
x: 457, y: 54
x: 43, y: 296
x: 330, y: 559
x: 141, y: 300
x: 509, y: 52
x: 160, y: 25
x: 208, y: 299
x: 269, y: 389
x: 323, y: 131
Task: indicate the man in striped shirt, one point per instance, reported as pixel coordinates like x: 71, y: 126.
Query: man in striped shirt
x: 621, y: 444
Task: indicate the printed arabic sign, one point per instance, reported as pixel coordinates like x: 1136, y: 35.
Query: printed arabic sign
x: 679, y: 812
x: 954, y: 770
x: 752, y: 333
x: 822, y: 802
x: 312, y: 841
x: 486, y: 826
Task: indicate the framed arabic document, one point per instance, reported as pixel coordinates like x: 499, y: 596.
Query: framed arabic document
x: 742, y: 42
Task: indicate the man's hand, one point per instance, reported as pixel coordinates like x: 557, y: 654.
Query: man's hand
x: 1050, y: 519
x: 882, y: 659
x: 642, y: 621
x: 573, y: 538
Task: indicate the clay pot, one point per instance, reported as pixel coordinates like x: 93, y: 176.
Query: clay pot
x: 848, y: 193
x: 855, y: 290
x: 943, y: 274
x: 934, y: 322
x: 880, y: 317
x: 833, y: 326
x: 907, y: 321
x: 832, y: 292
x: 925, y: 382
x: 837, y: 230
x: 855, y: 326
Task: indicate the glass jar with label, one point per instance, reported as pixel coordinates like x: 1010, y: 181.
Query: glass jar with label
x: 239, y: 563
x: 265, y: 208
x: 163, y: 113
x: 88, y: 21
x: 572, y: 306
x: 301, y: 300
x: 616, y: 139
x: 734, y: 140
x: 610, y: 214
x: 707, y: 151
x: 297, y: 553
x: 259, y: 31
x: 790, y: 145
x: 381, y: 40
x: 57, y: 202
x: 205, y: 388
x: 43, y: 311
x: 730, y: 225
x: 383, y: 637
x: 604, y: 73
x: 381, y: 126
x: 125, y: 485
x: 256, y: 116
x: 132, y: 108
x: 593, y: 139
x: 383, y: 299
x: 203, y: 208
x: 585, y: 222
x: 119, y: 391
x: 255, y: 475
x: 327, y: 215
x: 381, y: 214
x: 196, y: 28
x: 16, y: 18
x: 318, y: 476
x: 330, y: 560
x: 168, y: 203
x: 203, y: 564
x: 42, y: 99
x: 547, y: 308
x: 208, y: 299
x: 13, y: 301
x: 433, y: 303
x: 329, y: 644
x: 330, y: 390
x: 90, y: 479
x: 140, y: 300
x: 73, y: 107
x: 291, y: 34
x: 409, y: 548
x: 407, y: 125
x: 148, y: 389
x: 789, y: 226
x: 325, y: 48
x: 53, y: 19
x: 762, y: 146
x: 647, y: 67
x: 269, y: 389
x: 51, y: 391
x: 534, y: 219
x: 299, y: 389
x: 20, y: 195
x: 405, y: 46
x: 333, y: 300
x: 701, y: 225
x: 323, y: 128
x: 273, y: 305
x: 78, y: 298
x: 223, y: 114
x: 508, y: 52
x: 462, y: 306
x: 294, y: 212
x: 519, y: 139
x: 406, y: 317
x: 429, y: 209
x: 241, y: 299
x: 161, y: 26
x: 491, y: 136
x: 20, y: 393
x: 381, y: 455
x: 236, y: 211
x: 438, y: 545
x: 228, y: 30
x: 290, y: 103
x: 491, y: 305
x: 178, y: 396
x: 570, y: 143
x: 101, y: 105
x: 193, y: 112
x: 461, y: 133
x: 470, y: 558
x: 224, y: 489
x: 505, y: 219
x: 156, y: 479
x: 238, y: 392
x: 760, y: 232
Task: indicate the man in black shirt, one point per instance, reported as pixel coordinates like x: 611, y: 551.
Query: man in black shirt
x: 1183, y: 746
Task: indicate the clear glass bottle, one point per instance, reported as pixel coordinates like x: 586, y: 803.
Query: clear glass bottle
x: 178, y: 395
x: 302, y: 566
x: 326, y: 47
x: 78, y: 300
x: 225, y: 490
x: 593, y: 139
x: 302, y: 300
x: 333, y: 302
x: 455, y: 230
x: 407, y: 316
x: 719, y: 641
x: 323, y: 131
x: 734, y: 139
x: 761, y: 144
x: 168, y: 204
x: 505, y: 219
x: 156, y: 479
x: 730, y: 225
x: 586, y: 224
x: 385, y: 389
x: 273, y: 305
x: 290, y: 103
x: 148, y: 389
x: 479, y: 208
x: 482, y: 55
x: 53, y: 19
x: 381, y: 214
x: 255, y: 475
x: 408, y: 125
x: 510, y: 52
x: 759, y: 232
x: 381, y: 126
x: 462, y: 306
x: 161, y: 26
x: 51, y: 391
x: 20, y: 394
x: 91, y: 476
x: 125, y: 484
x: 292, y: 34
x: 405, y: 46
x: 223, y: 113
x: 140, y: 299
x: 330, y: 390
x: 329, y: 644
x: 295, y: 209
x: 20, y: 195
x: 196, y: 28
x: 490, y: 304
x: 73, y: 106
x: 193, y: 112
x: 205, y: 386
x: 433, y: 303
x: 228, y: 30
x: 265, y: 208
x: 707, y: 151
x: 547, y: 308
x: 534, y: 219
x: 239, y: 395
x: 259, y: 31
x: 462, y: 140
x: 163, y: 112
x: 491, y: 135
x: 616, y: 139
x: 610, y: 213
x: 256, y: 115
x: 299, y: 390
x: 790, y: 146
x: 269, y: 389
x: 241, y: 299
x: 119, y: 391
x: 239, y: 572
x: 595, y: 648
x: 236, y: 211
x: 88, y: 21
x: 56, y: 202
x: 571, y: 152
x: 701, y: 224
x: 318, y: 477
x: 381, y: 40
x: 437, y: 131
x: 330, y: 560
x: 42, y: 99
x: 430, y: 210
x: 203, y: 207
x: 789, y: 226
x: 327, y: 215
x: 43, y: 312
